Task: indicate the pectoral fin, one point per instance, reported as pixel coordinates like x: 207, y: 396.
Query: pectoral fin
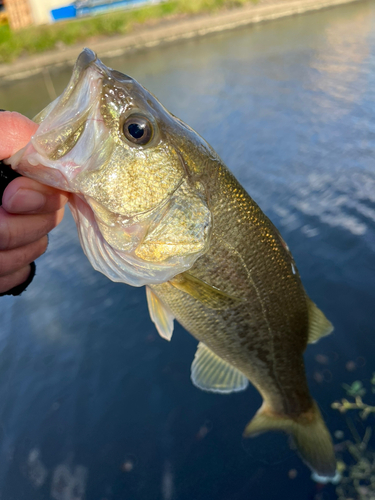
x: 319, y: 326
x: 211, y: 373
x: 208, y: 295
x: 160, y: 315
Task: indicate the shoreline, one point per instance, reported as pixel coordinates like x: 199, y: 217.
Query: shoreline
x: 166, y: 31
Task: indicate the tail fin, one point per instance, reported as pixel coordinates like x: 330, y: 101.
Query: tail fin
x: 309, y: 433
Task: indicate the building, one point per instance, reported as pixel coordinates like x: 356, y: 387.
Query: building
x: 22, y: 13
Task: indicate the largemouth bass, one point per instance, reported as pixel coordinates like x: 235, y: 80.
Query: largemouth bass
x: 156, y: 206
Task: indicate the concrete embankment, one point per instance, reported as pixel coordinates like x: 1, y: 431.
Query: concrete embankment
x: 167, y: 31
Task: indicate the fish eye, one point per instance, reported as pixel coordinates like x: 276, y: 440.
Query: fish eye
x: 138, y: 130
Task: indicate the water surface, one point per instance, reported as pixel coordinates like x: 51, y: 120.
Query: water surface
x: 93, y: 404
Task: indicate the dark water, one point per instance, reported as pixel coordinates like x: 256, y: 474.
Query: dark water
x: 93, y: 404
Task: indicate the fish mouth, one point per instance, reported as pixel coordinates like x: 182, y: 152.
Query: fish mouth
x: 62, y: 128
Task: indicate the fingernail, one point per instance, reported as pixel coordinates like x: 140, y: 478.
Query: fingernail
x: 26, y: 200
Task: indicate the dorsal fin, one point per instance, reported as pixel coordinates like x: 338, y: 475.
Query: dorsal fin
x: 208, y: 295
x: 211, y: 373
x: 160, y: 314
x: 319, y: 326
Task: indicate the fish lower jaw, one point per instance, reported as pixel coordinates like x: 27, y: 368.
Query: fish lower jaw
x: 32, y: 164
x: 44, y: 175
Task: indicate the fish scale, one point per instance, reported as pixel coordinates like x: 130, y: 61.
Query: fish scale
x: 256, y: 270
x: 155, y: 205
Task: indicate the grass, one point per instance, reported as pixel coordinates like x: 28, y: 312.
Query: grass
x: 36, y: 39
x: 355, y: 452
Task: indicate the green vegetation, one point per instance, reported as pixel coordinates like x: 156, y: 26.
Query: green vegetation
x: 41, y: 38
x: 356, y: 455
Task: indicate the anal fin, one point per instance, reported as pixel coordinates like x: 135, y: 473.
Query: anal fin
x: 211, y: 373
x: 319, y: 326
x: 160, y: 315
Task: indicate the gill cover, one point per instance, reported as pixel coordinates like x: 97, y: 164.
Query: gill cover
x: 141, y: 218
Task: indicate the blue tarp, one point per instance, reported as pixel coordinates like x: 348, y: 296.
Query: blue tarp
x: 90, y: 7
x: 66, y: 12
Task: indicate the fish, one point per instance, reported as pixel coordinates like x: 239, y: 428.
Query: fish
x: 155, y: 206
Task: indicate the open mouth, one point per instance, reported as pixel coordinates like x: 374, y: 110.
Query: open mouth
x: 62, y: 146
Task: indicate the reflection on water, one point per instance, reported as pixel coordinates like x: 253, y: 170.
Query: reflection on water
x: 346, y: 202
x: 67, y: 483
x: 339, y: 62
x: 93, y: 404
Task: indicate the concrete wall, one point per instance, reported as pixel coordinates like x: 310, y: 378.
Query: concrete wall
x: 40, y: 9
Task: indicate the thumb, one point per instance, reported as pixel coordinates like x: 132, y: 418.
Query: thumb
x: 15, y: 132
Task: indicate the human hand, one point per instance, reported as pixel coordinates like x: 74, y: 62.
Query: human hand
x: 29, y: 209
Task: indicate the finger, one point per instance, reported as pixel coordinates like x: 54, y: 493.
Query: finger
x: 11, y: 280
x: 14, y: 260
x: 19, y: 230
x: 15, y: 132
x: 26, y: 196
